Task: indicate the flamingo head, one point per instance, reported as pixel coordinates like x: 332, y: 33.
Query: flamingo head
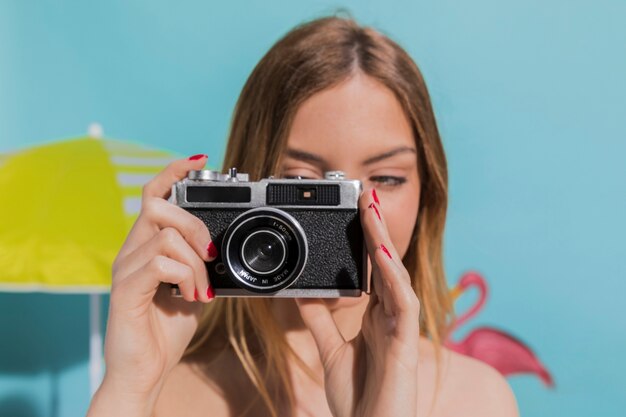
x: 467, y: 280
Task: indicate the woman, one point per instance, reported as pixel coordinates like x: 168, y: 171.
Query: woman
x: 330, y: 95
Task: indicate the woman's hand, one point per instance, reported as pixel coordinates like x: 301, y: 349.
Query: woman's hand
x: 375, y: 374
x: 148, y: 329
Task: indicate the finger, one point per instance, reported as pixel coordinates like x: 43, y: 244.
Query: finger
x: 374, y: 225
x: 318, y: 318
x: 161, y: 185
x: 385, y: 296
x: 194, y: 230
x: 368, y: 218
x: 367, y: 201
x: 375, y: 232
x: 170, y: 243
x: 139, y: 288
x: 160, y: 214
x: 378, y: 286
x: 402, y: 299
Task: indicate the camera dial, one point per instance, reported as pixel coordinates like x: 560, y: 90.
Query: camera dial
x: 209, y: 175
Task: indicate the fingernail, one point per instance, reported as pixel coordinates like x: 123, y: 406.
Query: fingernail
x: 372, y: 205
x: 195, y: 294
x: 385, y: 250
x: 198, y: 156
x: 375, y: 196
x: 210, y: 293
x: 212, y: 250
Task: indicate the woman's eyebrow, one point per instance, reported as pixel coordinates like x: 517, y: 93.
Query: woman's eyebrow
x: 304, y: 156
x: 388, y: 154
x: 310, y: 157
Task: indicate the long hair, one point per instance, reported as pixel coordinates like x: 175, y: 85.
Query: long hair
x: 312, y: 57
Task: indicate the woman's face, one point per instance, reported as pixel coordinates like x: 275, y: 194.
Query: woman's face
x: 359, y: 127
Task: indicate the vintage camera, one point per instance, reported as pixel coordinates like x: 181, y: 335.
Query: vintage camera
x: 279, y: 237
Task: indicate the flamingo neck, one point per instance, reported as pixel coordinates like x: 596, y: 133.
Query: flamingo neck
x: 482, y: 298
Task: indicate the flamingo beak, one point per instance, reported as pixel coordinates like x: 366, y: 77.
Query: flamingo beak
x: 456, y: 292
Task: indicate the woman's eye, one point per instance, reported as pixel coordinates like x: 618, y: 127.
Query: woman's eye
x: 302, y: 177
x: 389, y: 180
x: 291, y: 177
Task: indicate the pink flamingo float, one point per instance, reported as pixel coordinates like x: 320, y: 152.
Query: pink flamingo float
x: 494, y: 347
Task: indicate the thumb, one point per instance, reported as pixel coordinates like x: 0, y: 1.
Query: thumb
x: 318, y: 318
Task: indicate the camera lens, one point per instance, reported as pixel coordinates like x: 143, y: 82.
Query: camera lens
x: 264, y: 251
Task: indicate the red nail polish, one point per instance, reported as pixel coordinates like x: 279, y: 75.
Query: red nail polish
x: 375, y: 196
x: 385, y: 250
x: 195, y: 294
x: 372, y: 205
x: 196, y: 157
x: 210, y: 293
x: 211, y: 250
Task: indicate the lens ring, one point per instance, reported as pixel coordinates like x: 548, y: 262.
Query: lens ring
x: 277, y: 238
x: 282, y: 223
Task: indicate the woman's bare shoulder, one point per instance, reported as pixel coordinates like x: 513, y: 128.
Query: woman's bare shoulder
x: 468, y: 387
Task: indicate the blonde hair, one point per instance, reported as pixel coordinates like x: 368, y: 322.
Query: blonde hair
x: 312, y: 57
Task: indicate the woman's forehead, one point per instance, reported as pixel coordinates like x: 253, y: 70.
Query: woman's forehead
x: 359, y: 117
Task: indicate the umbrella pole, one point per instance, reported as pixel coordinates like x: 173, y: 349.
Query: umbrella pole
x: 95, y: 344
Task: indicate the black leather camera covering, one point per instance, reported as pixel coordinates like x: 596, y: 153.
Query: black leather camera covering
x: 335, y: 242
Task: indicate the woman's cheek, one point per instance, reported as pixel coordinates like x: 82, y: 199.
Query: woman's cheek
x: 400, y: 234
x: 400, y: 219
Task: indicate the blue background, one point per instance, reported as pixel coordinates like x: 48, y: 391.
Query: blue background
x: 531, y: 101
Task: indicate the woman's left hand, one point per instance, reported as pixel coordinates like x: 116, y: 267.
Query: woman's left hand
x: 374, y: 374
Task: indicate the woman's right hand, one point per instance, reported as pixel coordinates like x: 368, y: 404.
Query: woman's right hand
x: 148, y: 329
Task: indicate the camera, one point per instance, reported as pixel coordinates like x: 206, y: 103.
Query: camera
x: 279, y: 237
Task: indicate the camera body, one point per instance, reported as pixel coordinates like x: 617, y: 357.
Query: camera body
x: 279, y: 237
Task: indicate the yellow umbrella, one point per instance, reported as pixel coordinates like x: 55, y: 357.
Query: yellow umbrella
x: 66, y: 208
